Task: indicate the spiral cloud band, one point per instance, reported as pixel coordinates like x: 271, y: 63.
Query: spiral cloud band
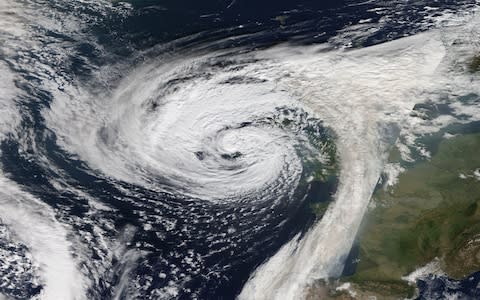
x: 205, y: 131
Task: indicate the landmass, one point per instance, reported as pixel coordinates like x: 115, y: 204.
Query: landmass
x: 432, y: 213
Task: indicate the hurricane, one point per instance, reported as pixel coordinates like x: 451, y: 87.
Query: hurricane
x: 229, y: 161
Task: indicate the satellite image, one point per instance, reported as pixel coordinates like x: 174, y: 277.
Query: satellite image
x: 239, y: 149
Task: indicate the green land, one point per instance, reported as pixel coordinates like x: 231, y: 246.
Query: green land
x: 433, y: 212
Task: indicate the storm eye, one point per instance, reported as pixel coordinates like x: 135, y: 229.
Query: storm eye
x: 231, y: 156
x: 200, y: 155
